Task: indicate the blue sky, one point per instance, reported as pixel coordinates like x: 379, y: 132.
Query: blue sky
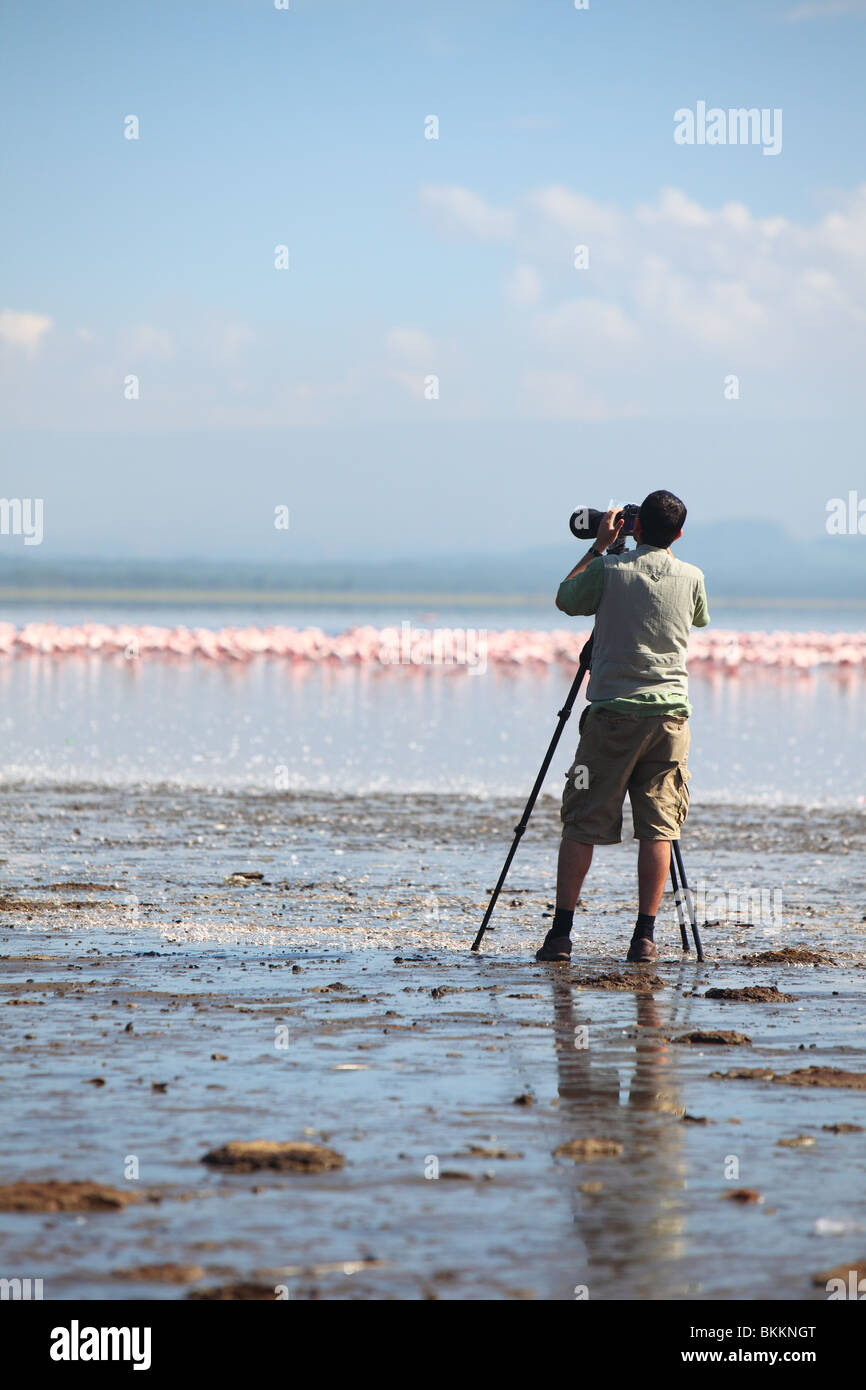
x: 411, y: 257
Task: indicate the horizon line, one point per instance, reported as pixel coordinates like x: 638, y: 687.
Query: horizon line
x: 353, y: 598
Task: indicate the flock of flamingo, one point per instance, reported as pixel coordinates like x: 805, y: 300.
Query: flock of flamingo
x: 726, y: 650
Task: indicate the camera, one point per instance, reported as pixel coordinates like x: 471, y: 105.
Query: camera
x: 585, y: 521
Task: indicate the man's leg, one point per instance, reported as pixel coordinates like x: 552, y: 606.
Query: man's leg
x: 653, y: 867
x: 571, y: 870
x: 591, y: 814
x: 659, y: 795
x: 574, y: 860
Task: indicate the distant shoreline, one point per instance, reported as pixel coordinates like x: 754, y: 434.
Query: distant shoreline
x: 354, y: 599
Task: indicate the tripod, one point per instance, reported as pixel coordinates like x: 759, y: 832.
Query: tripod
x: 682, y: 892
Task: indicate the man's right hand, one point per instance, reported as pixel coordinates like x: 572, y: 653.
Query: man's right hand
x: 609, y: 528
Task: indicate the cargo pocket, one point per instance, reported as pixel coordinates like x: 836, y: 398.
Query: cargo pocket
x: 568, y: 806
x: 682, y: 778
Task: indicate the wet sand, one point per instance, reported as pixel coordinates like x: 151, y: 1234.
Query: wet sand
x: 589, y: 1124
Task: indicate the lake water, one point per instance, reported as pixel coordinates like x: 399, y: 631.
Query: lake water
x: 764, y: 736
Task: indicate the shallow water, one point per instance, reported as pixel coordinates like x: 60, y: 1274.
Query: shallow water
x: 776, y: 738
x: 123, y: 895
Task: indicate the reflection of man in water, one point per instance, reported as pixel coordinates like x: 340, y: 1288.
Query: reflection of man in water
x: 631, y: 1228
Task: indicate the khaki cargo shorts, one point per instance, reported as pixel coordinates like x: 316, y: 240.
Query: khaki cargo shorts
x: 644, y: 755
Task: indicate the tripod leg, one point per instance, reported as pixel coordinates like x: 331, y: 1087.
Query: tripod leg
x: 533, y: 795
x: 679, y: 902
x: 518, y: 832
x: 689, y: 900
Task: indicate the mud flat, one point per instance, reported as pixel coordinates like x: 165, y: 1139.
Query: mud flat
x: 187, y: 974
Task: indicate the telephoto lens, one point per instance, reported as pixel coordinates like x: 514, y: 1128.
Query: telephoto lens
x: 585, y: 521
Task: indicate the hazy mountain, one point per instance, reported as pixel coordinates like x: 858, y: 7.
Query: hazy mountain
x: 740, y: 560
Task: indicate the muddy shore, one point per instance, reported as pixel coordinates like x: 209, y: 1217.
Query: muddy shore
x: 185, y: 970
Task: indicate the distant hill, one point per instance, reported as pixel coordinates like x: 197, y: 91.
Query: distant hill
x: 748, y: 559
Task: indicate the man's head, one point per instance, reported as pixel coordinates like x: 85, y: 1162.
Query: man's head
x: 660, y: 519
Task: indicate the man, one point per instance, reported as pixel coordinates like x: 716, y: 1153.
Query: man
x: 634, y: 733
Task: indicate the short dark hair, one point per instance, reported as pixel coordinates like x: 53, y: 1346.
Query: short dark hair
x: 661, y: 518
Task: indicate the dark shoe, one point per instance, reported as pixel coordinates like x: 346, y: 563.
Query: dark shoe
x: 554, y: 948
x: 642, y: 948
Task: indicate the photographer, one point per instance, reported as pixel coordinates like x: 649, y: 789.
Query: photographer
x: 634, y: 732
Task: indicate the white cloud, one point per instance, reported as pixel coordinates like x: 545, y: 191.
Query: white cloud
x: 22, y: 330
x: 674, y: 206
x: 412, y: 346
x: 585, y: 324
x: 412, y: 382
x: 230, y: 341
x: 686, y: 275
x: 717, y: 314
x: 460, y: 210
x: 147, y: 341
x: 523, y: 285
x: 564, y: 395
x: 419, y: 357
x: 582, y: 217
x: 677, y: 294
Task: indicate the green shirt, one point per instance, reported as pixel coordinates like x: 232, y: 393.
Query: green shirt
x: 583, y: 595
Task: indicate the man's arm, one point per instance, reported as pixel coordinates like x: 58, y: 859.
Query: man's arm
x: 702, y: 613
x: 583, y: 598
x: 581, y: 592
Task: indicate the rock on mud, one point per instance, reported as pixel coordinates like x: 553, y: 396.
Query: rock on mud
x: 744, y: 1074
x: 641, y: 984
x: 162, y: 1274
x: 63, y: 1196
x: 825, y: 1076
x: 716, y: 1038
x: 236, y: 1292
x: 753, y: 994
x: 299, y: 1157
x: 743, y: 1195
x: 805, y: 1076
x: 488, y: 1151
x: 584, y: 1150
x: 789, y: 955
